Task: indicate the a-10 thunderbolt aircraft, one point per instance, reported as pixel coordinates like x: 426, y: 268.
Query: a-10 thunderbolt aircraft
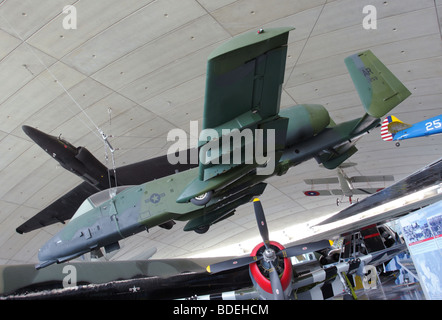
x: 243, y: 90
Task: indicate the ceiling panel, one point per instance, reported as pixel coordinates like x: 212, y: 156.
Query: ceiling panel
x: 93, y: 17
x: 147, y: 24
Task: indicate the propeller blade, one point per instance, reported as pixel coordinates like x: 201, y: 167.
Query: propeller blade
x: 261, y: 220
x: 232, y: 264
x: 275, y: 282
x: 304, y: 248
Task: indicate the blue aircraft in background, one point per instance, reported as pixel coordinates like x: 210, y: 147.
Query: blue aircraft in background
x: 393, y: 129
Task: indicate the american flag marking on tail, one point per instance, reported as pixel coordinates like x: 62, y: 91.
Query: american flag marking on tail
x: 385, y: 134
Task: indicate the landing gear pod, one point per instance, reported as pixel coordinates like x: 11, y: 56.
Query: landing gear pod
x: 203, y: 199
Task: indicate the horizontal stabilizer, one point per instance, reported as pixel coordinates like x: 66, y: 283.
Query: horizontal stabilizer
x: 333, y: 159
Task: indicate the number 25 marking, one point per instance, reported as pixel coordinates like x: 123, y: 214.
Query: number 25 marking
x: 433, y: 125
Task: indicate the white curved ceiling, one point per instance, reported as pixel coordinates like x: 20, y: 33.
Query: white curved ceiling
x: 137, y: 69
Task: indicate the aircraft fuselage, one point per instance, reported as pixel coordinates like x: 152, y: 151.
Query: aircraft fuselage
x: 424, y: 128
x: 147, y: 205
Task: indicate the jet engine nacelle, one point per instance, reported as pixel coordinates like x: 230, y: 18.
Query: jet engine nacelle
x: 305, y: 121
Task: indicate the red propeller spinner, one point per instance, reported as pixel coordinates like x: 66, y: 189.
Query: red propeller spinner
x: 260, y: 270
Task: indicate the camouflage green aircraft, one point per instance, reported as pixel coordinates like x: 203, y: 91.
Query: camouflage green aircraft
x: 243, y: 90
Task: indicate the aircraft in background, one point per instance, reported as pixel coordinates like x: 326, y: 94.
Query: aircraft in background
x: 346, y: 185
x: 393, y: 129
x: 428, y: 178
x: 243, y: 90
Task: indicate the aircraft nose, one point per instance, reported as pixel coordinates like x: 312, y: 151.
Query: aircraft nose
x: 28, y: 130
x: 44, y: 252
x: 42, y: 139
x: 45, y: 256
x: 33, y: 133
x: 49, y: 251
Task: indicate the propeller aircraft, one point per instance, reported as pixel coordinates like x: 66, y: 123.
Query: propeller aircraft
x: 393, y: 129
x: 347, y: 188
x: 243, y: 89
x: 274, y: 277
x: 269, y: 263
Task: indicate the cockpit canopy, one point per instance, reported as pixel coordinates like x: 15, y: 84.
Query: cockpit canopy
x: 97, y: 199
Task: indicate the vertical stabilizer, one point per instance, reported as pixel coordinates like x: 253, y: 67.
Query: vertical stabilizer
x: 378, y: 88
x: 390, y: 126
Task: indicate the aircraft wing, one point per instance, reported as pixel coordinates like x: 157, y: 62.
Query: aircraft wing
x: 339, y: 192
x: 322, y: 180
x: 244, y: 79
x: 372, y: 178
x: 243, y: 91
x: 60, y: 210
x: 151, y: 169
x: 365, y: 190
x: 316, y: 193
x: 354, y: 179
